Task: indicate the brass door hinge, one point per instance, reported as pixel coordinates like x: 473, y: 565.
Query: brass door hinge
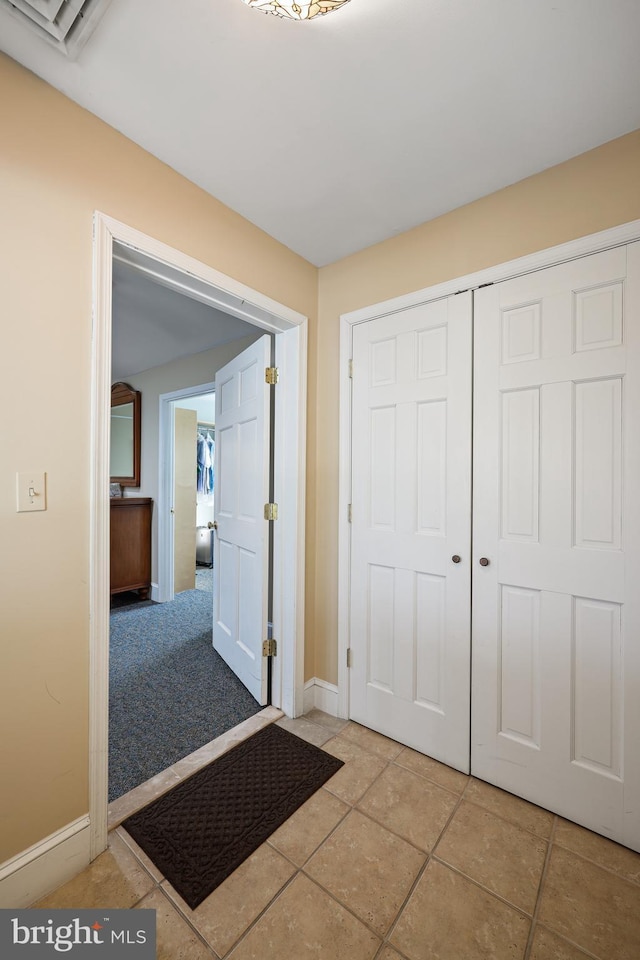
x: 348, y: 656
x: 269, y: 648
x: 271, y: 511
x: 271, y: 375
x: 351, y: 369
x: 350, y: 513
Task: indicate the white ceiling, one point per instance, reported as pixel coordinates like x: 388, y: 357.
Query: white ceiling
x: 153, y: 324
x: 334, y: 134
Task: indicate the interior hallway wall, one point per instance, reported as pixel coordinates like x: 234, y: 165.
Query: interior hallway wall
x: 592, y: 192
x: 58, y: 164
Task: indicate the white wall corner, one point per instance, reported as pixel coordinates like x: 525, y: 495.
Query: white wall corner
x: 36, y: 872
x: 321, y: 695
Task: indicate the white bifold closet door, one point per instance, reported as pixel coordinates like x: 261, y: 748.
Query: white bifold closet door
x: 411, y: 475
x: 556, y: 612
x: 552, y: 622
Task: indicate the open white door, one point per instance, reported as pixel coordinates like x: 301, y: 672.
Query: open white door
x: 241, y: 552
x: 410, y: 540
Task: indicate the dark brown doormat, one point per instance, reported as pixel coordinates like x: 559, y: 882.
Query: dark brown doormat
x: 199, y: 832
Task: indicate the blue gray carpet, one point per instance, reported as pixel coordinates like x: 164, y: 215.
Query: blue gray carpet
x: 169, y: 691
x: 204, y: 578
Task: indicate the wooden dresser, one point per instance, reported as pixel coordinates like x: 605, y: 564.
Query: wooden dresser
x: 131, y: 544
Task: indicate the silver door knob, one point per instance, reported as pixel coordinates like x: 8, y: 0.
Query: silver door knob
x: 456, y: 558
x: 484, y: 561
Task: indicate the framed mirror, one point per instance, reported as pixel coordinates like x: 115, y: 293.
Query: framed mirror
x: 125, y: 435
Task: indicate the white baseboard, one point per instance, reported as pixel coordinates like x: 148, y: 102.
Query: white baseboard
x: 45, y: 866
x: 155, y: 593
x: 321, y: 695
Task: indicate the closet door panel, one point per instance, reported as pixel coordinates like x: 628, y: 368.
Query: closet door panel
x: 555, y: 617
x: 411, y: 473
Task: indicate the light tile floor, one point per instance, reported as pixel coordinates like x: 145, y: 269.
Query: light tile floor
x: 397, y: 857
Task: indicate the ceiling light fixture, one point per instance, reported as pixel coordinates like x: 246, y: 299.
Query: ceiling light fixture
x: 296, y: 9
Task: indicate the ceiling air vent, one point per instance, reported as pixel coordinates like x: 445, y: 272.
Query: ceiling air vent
x: 66, y: 24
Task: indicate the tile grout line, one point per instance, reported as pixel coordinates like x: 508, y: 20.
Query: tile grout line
x: 385, y: 826
x: 500, y: 816
x: 411, y: 891
x: 572, y: 943
x: 395, y: 762
x: 302, y: 871
x: 345, y: 906
x: 244, y: 933
x: 141, y: 864
x: 475, y: 802
x: 317, y: 723
x: 298, y: 870
x: 355, y: 808
x: 481, y: 886
x: 597, y: 863
x: 301, y: 866
x: 423, y: 869
x: 158, y: 888
x: 429, y: 854
x: 510, y: 823
x: 432, y: 856
x: 176, y: 909
x: 384, y: 946
x: 183, y: 916
x: 436, y: 783
x: 543, y: 877
x: 492, y: 893
x: 371, y: 753
x: 353, y: 803
x: 394, y: 833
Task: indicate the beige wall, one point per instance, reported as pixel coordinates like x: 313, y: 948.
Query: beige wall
x: 57, y: 165
x: 597, y: 190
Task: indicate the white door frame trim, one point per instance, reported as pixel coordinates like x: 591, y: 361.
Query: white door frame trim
x: 574, y: 249
x: 290, y: 328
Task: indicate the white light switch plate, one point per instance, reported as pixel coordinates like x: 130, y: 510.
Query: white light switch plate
x: 31, y: 491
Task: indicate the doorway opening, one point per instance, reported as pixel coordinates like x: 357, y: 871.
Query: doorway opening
x: 181, y: 273
x: 171, y: 693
